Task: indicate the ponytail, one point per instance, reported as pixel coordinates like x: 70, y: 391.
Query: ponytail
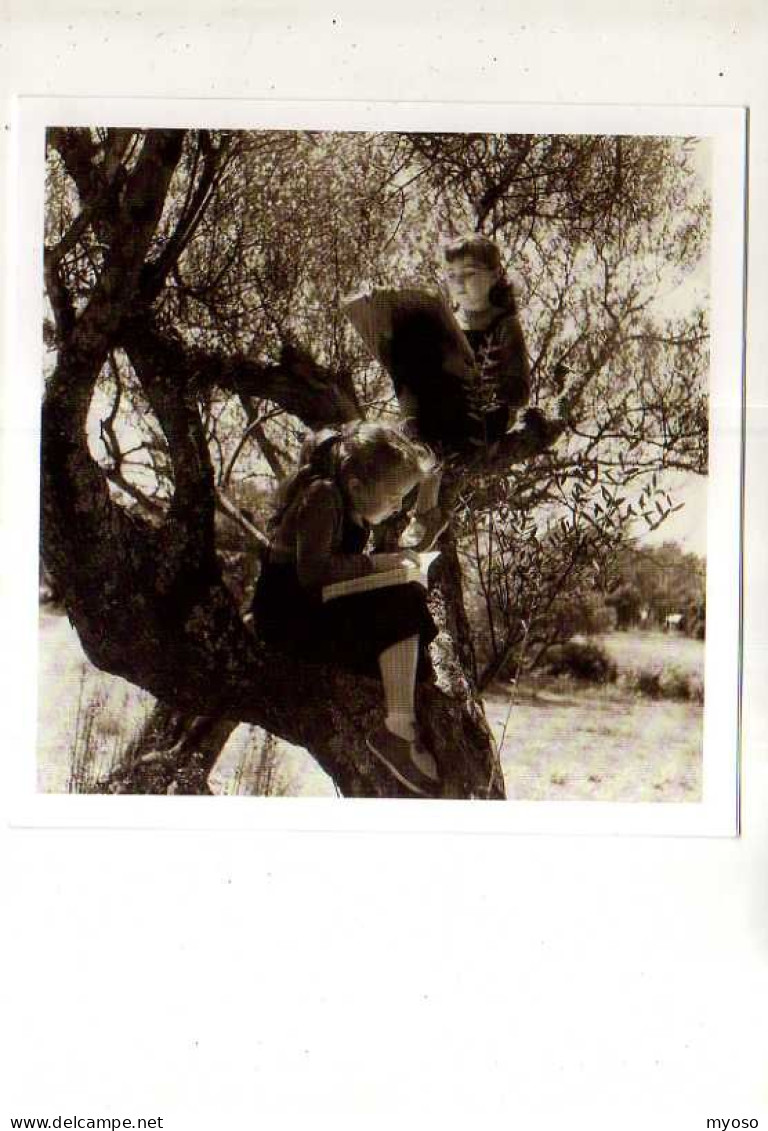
x: 318, y: 459
x: 359, y: 449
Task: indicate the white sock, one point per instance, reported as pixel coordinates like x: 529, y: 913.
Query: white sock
x: 401, y: 723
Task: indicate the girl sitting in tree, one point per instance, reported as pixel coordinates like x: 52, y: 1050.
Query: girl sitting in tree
x: 347, y: 481
x: 462, y: 410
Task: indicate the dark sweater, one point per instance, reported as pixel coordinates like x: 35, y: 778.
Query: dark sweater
x: 319, y: 539
x: 503, y: 370
x: 451, y: 402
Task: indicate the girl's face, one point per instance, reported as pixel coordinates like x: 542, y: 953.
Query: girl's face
x: 380, y: 498
x: 470, y: 283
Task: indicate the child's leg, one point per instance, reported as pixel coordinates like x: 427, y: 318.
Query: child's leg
x: 398, y: 674
x: 397, y: 743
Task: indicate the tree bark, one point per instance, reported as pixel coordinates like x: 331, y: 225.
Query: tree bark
x: 174, y: 753
x: 149, y: 602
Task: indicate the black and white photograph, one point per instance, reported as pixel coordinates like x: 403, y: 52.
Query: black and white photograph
x: 385, y: 553
x: 375, y: 463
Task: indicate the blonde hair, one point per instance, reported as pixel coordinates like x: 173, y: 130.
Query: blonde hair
x: 370, y: 450
x: 362, y: 450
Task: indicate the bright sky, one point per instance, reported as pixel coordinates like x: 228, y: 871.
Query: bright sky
x: 689, y: 525
x: 695, y: 287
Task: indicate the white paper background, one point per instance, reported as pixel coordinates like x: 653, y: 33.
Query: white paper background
x: 724, y: 128
x: 345, y: 980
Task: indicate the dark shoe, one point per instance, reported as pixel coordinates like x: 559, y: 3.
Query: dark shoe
x: 424, y: 761
x: 397, y: 754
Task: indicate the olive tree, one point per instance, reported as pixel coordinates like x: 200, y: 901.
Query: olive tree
x: 193, y: 281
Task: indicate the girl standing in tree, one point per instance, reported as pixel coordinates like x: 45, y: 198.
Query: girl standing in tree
x: 349, y: 480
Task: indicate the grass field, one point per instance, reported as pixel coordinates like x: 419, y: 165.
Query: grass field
x: 86, y: 718
x: 561, y: 740
x: 656, y: 650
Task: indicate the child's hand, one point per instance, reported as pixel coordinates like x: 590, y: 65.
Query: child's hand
x: 384, y: 562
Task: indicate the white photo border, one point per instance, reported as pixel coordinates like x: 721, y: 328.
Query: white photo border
x: 717, y: 813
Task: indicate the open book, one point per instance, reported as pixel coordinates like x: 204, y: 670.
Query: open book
x: 406, y: 328
x: 404, y: 574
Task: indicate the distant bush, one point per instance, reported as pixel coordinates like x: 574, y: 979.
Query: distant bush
x: 585, y: 614
x: 664, y: 683
x: 585, y: 660
x: 678, y: 684
x: 646, y: 682
x: 109, y: 716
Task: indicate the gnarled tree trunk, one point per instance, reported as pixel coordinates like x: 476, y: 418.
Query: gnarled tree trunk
x: 148, y: 600
x: 173, y: 753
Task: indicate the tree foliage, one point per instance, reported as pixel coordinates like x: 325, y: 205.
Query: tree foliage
x: 663, y: 581
x: 193, y: 281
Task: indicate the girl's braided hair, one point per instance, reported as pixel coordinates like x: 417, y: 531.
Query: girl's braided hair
x: 361, y: 450
x: 480, y: 249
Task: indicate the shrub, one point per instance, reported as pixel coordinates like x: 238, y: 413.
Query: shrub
x: 585, y: 614
x: 85, y: 746
x: 647, y: 682
x: 678, y: 684
x: 664, y: 683
x: 585, y: 660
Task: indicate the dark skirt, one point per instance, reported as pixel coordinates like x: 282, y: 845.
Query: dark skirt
x: 426, y: 365
x: 451, y: 430
x: 349, y: 632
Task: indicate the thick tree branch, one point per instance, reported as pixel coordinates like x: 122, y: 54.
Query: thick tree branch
x: 79, y: 153
x: 148, y: 601
x: 297, y: 384
x: 214, y: 163
x: 178, y: 414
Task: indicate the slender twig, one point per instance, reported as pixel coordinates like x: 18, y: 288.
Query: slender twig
x: 225, y: 505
